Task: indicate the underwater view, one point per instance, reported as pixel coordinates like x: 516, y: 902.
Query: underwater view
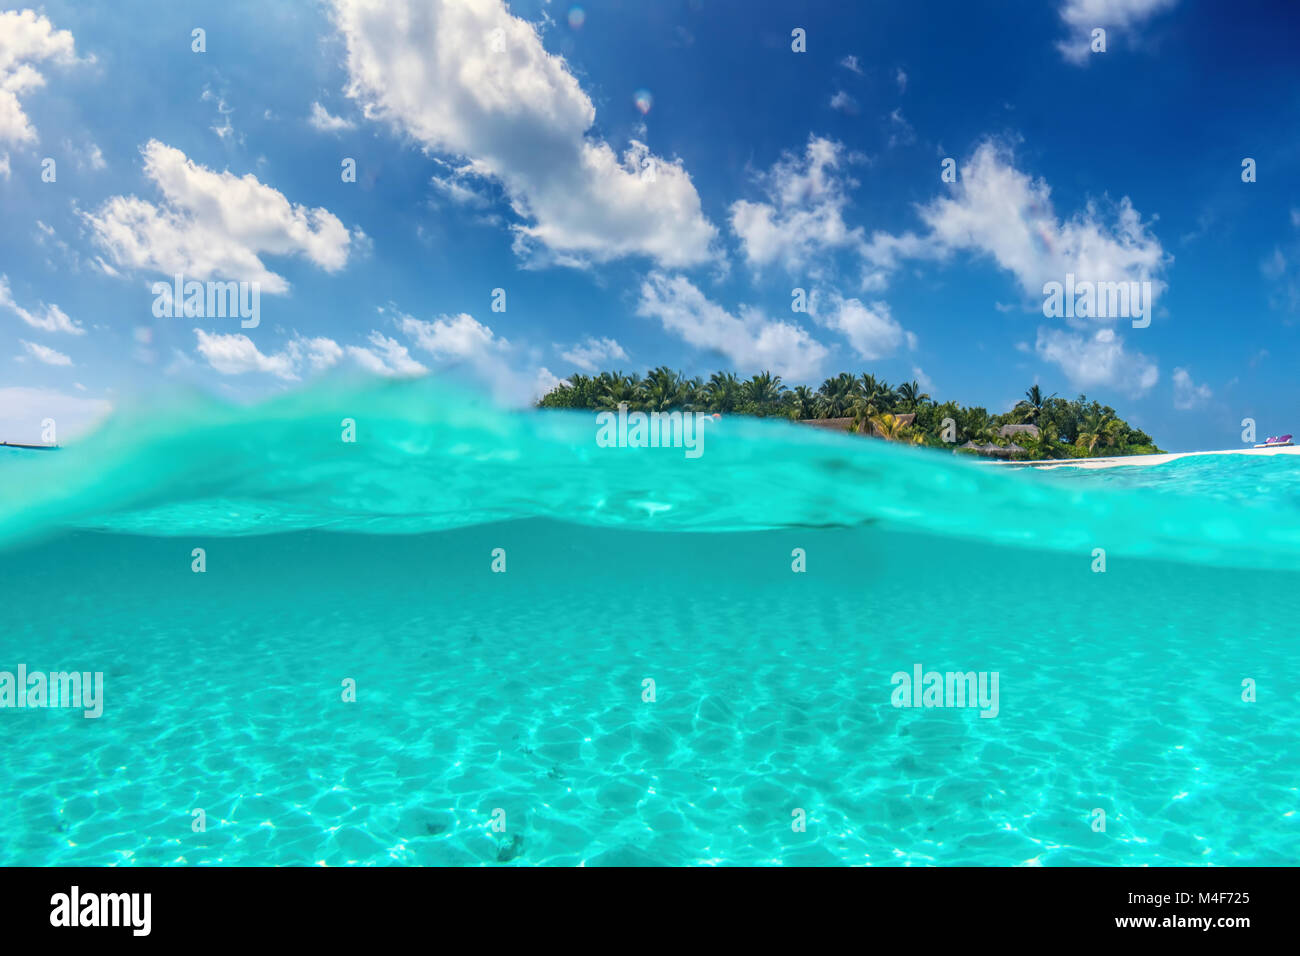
x: 393, y: 623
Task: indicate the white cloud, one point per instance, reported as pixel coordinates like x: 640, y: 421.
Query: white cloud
x: 22, y: 410
x: 844, y: 103
x: 749, y: 340
x: 458, y: 341
x: 386, y: 357
x: 871, y: 330
x: 86, y: 157
x: 470, y: 80
x: 451, y: 338
x: 464, y: 343
x: 590, y: 354
x: 1097, y: 359
x: 901, y: 132
x: 235, y: 354
x: 901, y: 79
x: 1187, y: 394
x: 460, y: 187
x: 226, y: 131
x: 804, y: 214
x: 48, y: 318
x: 321, y: 120
x: 544, y: 382
x: 998, y: 211
x: 1083, y: 16
x: 318, y: 353
x: 44, y: 354
x: 4, y: 165
x: 850, y: 62
x: 26, y: 38
x: 214, y: 224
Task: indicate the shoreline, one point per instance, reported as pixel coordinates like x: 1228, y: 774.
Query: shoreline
x: 1116, y: 462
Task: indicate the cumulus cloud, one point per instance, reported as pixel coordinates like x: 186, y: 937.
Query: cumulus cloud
x: 593, y: 353
x: 26, y: 38
x: 1187, y: 394
x: 1083, y: 16
x: 750, y: 340
x: 212, y: 224
x: 803, y: 216
x: 463, y: 343
x: 870, y: 329
x: 451, y: 337
x: 44, y: 354
x: 317, y: 354
x: 47, y: 318
x: 320, y: 119
x: 452, y: 342
x: 387, y: 357
x: 996, y: 210
x: 544, y: 382
x: 1097, y: 359
x: 235, y: 354
x: 459, y: 342
x: 470, y: 80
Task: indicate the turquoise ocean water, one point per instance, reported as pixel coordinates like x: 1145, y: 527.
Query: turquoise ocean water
x: 522, y: 692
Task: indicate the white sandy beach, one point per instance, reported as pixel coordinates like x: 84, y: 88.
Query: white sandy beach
x: 1145, y: 459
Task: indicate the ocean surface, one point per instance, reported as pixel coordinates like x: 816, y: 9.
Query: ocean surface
x: 503, y: 717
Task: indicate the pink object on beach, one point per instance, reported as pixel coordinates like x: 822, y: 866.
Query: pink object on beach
x: 1277, y: 441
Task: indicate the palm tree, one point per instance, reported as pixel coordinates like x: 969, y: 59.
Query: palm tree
x: 763, y: 391
x: 722, y: 393
x: 1046, y: 445
x: 803, y: 401
x: 665, y: 389
x: 877, y: 393
x: 891, y: 428
x: 835, y: 397
x: 615, y: 388
x: 1033, y: 403
x: 1098, y: 429
x: 910, y: 395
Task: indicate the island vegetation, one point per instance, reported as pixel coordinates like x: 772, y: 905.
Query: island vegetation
x: 1061, y: 428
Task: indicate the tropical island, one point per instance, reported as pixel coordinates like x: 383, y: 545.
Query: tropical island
x: 1039, y: 427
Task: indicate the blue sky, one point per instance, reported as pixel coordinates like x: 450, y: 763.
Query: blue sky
x: 504, y: 147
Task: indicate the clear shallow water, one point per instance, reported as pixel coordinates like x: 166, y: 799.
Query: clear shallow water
x: 523, y: 690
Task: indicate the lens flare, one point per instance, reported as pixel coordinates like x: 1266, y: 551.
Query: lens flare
x: 577, y: 17
x: 643, y: 101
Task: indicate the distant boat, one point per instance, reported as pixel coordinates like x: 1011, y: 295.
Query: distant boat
x: 18, y: 444
x: 1281, y: 441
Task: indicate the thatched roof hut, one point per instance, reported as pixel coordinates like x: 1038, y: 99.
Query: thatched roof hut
x: 992, y: 450
x: 845, y: 424
x: 831, y: 424
x: 1008, y: 431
